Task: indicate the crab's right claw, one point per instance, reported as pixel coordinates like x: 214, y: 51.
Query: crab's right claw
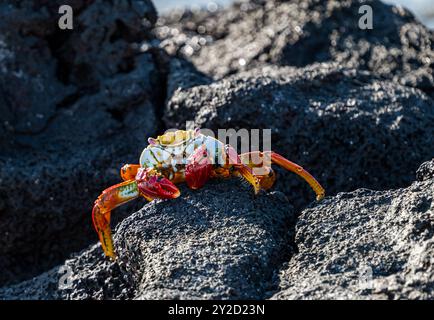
x: 198, y: 169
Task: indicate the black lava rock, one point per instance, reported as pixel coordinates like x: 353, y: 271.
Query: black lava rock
x: 365, y: 245
x: 426, y: 171
x: 219, y: 242
x: 76, y: 105
x: 302, y: 32
x: 88, y: 275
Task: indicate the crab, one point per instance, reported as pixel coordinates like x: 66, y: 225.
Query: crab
x: 191, y: 157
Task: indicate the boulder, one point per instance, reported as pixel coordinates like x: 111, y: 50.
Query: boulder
x: 76, y: 105
x: 220, y: 242
x: 301, y: 32
x: 425, y: 171
x: 365, y: 245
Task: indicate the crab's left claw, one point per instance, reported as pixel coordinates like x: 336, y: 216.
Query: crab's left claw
x: 153, y: 185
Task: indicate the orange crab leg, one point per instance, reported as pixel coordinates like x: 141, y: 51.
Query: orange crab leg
x: 233, y: 159
x: 107, y: 201
x: 262, y: 170
x: 129, y: 171
x: 288, y: 165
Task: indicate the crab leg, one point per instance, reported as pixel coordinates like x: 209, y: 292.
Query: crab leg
x: 286, y: 164
x: 129, y: 171
x: 262, y: 170
x: 233, y: 159
x: 107, y: 201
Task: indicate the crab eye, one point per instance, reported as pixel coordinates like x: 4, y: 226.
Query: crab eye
x: 152, y: 141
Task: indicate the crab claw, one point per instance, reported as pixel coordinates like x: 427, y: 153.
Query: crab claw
x: 155, y: 186
x: 199, y: 168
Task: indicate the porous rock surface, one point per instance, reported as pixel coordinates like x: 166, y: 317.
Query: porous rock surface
x: 302, y: 32
x: 359, y: 245
x: 365, y: 245
x: 220, y: 242
x: 75, y: 106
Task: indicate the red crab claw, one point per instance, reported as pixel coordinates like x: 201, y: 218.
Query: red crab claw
x: 198, y: 169
x: 155, y: 186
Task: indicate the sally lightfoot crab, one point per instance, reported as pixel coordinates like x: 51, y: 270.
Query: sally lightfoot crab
x: 191, y: 157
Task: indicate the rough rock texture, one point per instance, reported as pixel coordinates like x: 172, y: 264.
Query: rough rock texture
x: 347, y: 127
x: 301, y: 32
x: 182, y: 75
x: 365, y: 245
x: 360, y: 245
x: 425, y: 171
x: 88, y: 275
x: 76, y: 106
x: 91, y: 54
x: 198, y: 246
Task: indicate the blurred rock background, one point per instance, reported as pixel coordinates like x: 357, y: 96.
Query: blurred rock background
x: 423, y: 9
